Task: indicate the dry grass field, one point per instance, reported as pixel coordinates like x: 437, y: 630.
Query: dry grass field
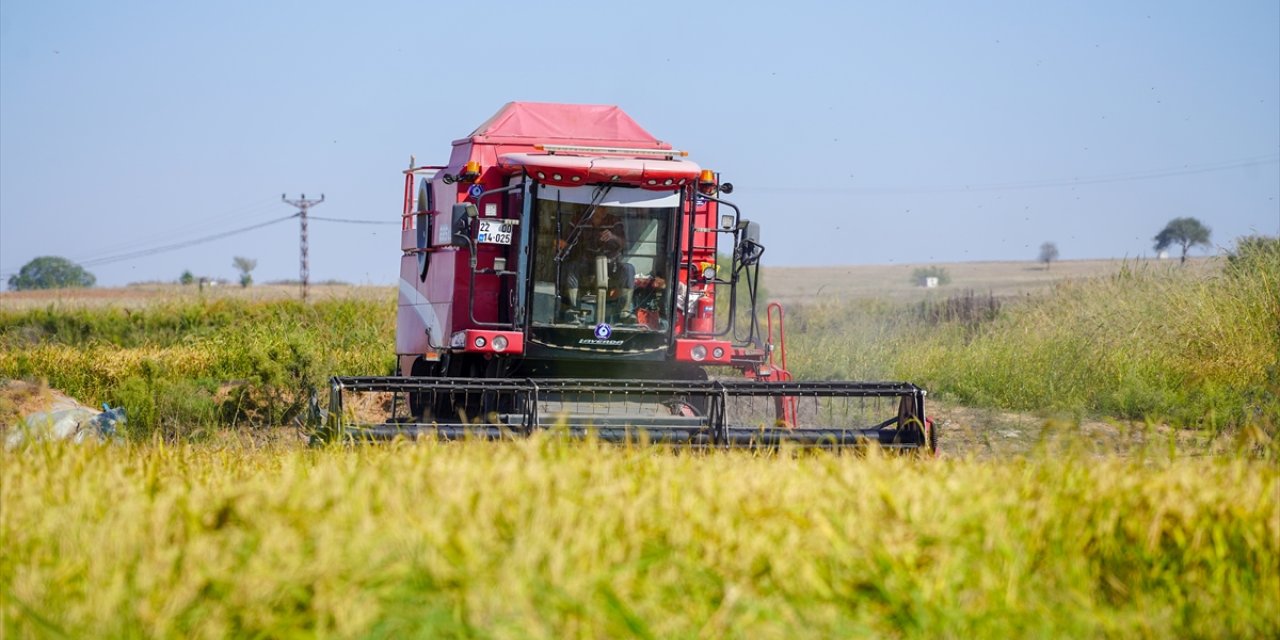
x: 139, y: 295
x: 788, y: 285
x: 793, y: 285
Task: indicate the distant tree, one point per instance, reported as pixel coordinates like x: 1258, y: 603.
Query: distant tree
x: 1048, y: 253
x: 186, y: 278
x: 1184, y: 232
x: 245, y: 266
x: 50, y: 272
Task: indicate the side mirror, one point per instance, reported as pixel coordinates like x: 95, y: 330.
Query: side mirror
x: 460, y: 222
x: 749, y: 248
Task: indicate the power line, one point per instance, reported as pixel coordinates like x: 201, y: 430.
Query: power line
x: 353, y: 221
x: 181, y: 245
x: 304, y: 204
x: 1150, y: 174
x: 100, y: 259
x: 199, y: 225
x: 109, y: 252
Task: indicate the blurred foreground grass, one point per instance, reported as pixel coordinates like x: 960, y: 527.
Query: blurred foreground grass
x: 545, y: 539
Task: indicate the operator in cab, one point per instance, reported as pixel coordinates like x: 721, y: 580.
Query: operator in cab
x: 593, y: 248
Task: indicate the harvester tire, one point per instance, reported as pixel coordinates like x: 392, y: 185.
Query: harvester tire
x: 697, y: 406
x: 418, y: 402
x: 492, y: 402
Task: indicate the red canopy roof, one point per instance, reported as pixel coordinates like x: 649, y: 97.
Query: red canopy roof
x: 529, y: 123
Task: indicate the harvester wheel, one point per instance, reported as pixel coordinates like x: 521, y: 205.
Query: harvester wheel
x: 683, y: 409
x: 694, y: 405
x: 464, y: 405
x: 418, y: 402
x: 473, y: 403
x: 492, y: 402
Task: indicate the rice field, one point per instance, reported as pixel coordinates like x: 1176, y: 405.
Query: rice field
x: 547, y: 539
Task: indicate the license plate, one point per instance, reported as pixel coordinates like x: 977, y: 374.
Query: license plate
x: 494, y: 232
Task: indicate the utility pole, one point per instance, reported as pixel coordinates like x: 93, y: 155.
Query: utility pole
x: 302, y: 204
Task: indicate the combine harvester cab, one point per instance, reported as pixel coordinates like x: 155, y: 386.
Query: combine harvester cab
x: 568, y: 270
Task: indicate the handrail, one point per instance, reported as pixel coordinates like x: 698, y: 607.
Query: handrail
x: 787, y: 407
x: 408, y: 184
x: 716, y: 282
x: 782, y: 336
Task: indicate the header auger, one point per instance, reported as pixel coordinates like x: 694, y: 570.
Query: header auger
x: 565, y: 269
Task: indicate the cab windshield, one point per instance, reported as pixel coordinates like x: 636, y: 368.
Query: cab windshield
x: 602, y: 256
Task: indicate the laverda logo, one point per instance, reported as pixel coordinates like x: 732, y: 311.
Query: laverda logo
x: 603, y: 334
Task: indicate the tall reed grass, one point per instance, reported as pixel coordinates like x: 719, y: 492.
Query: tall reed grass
x: 1150, y: 342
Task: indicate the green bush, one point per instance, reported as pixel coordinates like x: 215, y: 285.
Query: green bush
x: 1252, y: 253
x: 169, y: 408
x: 919, y: 275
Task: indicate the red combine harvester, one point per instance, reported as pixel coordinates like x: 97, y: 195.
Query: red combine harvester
x: 567, y: 269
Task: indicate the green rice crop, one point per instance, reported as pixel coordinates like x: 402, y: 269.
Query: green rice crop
x: 543, y: 539
x: 181, y: 366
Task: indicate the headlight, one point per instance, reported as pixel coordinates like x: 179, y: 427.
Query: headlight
x: 717, y: 353
x: 499, y: 343
x: 698, y: 353
x: 480, y: 342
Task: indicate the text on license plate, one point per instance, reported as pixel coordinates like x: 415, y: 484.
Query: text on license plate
x: 494, y: 232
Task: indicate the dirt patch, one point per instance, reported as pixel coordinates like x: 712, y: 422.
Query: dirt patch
x: 993, y: 433
x: 370, y: 408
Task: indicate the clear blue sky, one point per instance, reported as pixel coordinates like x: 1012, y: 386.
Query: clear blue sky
x: 855, y: 133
